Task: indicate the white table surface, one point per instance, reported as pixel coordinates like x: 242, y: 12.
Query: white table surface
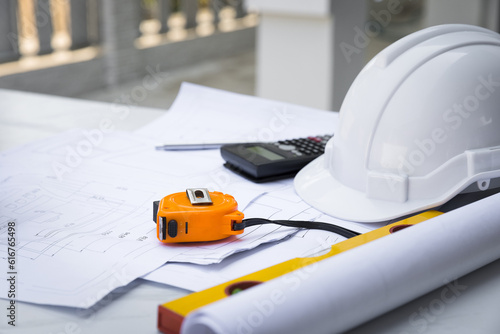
x: 470, y: 305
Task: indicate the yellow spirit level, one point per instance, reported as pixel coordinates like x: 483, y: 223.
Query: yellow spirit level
x: 172, y: 314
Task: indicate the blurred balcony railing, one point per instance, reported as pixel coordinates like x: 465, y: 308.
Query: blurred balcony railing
x: 42, y: 27
x: 124, y: 36
x: 170, y: 21
x: 189, y: 14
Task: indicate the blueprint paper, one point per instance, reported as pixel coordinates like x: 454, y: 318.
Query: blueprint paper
x: 82, y: 200
x: 194, y: 277
x: 343, y: 291
x: 83, y: 235
x: 202, y: 114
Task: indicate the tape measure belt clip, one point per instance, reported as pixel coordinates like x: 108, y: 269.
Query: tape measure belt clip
x: 199, y: 196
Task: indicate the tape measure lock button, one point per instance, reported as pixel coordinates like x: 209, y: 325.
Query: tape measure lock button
x: 196, y: 215
x: 172, y: 228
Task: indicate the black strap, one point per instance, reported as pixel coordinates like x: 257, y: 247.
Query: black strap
x: 297, y: 223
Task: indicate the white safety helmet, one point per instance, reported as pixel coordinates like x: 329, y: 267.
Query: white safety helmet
x: 420, y: 124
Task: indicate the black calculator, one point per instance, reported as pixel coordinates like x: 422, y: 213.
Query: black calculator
x: 263, y: 162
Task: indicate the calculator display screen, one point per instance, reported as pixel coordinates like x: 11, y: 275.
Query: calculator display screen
x: 265, y: 153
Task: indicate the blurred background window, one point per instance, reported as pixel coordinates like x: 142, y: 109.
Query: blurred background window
x: 304, y: 52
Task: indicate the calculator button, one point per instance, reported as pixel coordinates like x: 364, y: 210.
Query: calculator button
x: 286, y: 147
x: 315, y: 139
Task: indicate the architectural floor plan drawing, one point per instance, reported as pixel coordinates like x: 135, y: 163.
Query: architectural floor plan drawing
x: 92, y: 231
x: 81, y: 201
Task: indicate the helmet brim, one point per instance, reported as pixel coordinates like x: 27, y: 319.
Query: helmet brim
x: 317, y: 187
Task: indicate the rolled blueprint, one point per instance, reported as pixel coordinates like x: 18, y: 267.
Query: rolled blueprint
x: 348, y: 289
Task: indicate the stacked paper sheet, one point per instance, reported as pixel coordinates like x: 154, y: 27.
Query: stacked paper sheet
x: 82, y: 200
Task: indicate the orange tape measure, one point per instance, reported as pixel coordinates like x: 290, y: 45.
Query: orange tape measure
x: 196, y: 215
x: 199, y: 215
